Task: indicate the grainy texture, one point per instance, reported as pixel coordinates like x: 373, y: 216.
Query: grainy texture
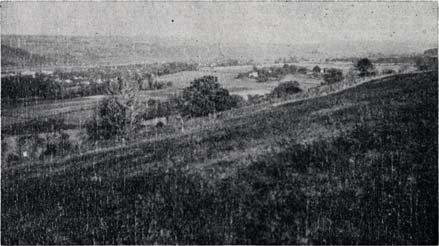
x: 219, y: 123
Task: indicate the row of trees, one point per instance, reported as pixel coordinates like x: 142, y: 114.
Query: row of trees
x: 272, y: 73
x: 362, y: 68
x: 45, y: 87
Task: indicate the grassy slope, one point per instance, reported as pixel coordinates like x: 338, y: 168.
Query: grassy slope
x: 310, y: 172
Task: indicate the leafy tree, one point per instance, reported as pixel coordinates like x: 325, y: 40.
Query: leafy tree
x: 205, y: 96
x: 302, y: 70
x: 333, y: 75
x: 365, y: 67
x: 316, y: 69
x: 290, y: 69
x: 426, y: 63
x: 388, y: 71
x: 118, y: 114
x: 286, y: 88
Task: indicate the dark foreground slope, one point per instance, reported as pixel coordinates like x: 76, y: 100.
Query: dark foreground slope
x: 355, y: 167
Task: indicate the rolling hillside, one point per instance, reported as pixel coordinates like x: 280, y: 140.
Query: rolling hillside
x: 110, y: 50
x: 321, y: 171
x: 17, y: 57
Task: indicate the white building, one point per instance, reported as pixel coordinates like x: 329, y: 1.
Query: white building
x: 253, y: 75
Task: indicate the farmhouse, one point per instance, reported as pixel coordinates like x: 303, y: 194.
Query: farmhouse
x: 253, y: 75
x: 158, y: 122
x: 46, y: 72
x: 28, y: 73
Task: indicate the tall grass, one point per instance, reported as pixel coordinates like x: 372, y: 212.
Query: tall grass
x: 375, y: 183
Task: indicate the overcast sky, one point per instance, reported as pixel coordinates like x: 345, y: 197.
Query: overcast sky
x: 255, y: 22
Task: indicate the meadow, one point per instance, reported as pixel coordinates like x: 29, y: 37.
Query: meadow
x: 18, y: 117
x: 355, y: 167
x: 79, y: 108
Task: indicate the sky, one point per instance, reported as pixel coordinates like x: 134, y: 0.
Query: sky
x: 229, y: 22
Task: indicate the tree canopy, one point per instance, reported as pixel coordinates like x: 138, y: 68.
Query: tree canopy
x: 365, y: 67
x: 316, y: 69
x: 205, y: 95
x: 333, y: 75
x: 286, y: 88
x: 118, y: 114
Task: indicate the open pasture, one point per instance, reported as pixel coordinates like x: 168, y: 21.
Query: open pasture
x: 346, y: 66
x: 227, y: 77
x: 69, y: 109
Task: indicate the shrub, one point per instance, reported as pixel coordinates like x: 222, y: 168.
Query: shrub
x: 333, y: 75
x: 365, y: 67
x: 255, y: 99
x: 426, y: 63
x: 285, y: 89
x: 388, y: 71
x: 157, y: 108
x: 57, y: 143
x: 237, y: 101
x: 316, y: 69
x: 351, y: 74
x: 302, y: 70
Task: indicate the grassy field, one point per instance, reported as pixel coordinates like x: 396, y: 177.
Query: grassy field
x: 76, y: 111
x: 356, y: 167
x: 345, y: 66
x: 227, y: 77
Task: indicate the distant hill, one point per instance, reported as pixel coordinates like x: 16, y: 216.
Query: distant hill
x: 431, y: 52
x: 106, y: 50
x: 109, y: 50
x: 17, y: 57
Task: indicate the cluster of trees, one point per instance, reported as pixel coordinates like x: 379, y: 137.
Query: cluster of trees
x: 365, y: 68
x: 428, y: 61
x: 118, y: 114
x: 272, y: 73
x: 389, y: 59
x: 121, y: 114
x: 32, y: 145
x: 173, y: 67
x: 399, y: 59
x: 316, y: 70
x: 333, y: 75
x: 156, y: 69
x: 362, y: 68
x: 148, y: 81
x: 28, y: 87
x: 158, y: 108
x: 204, y: 96
x: 45, y: 87
x: 388, y: 71
x: 375, y: 183
x: 286, y: 88
x: 291, y: 59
